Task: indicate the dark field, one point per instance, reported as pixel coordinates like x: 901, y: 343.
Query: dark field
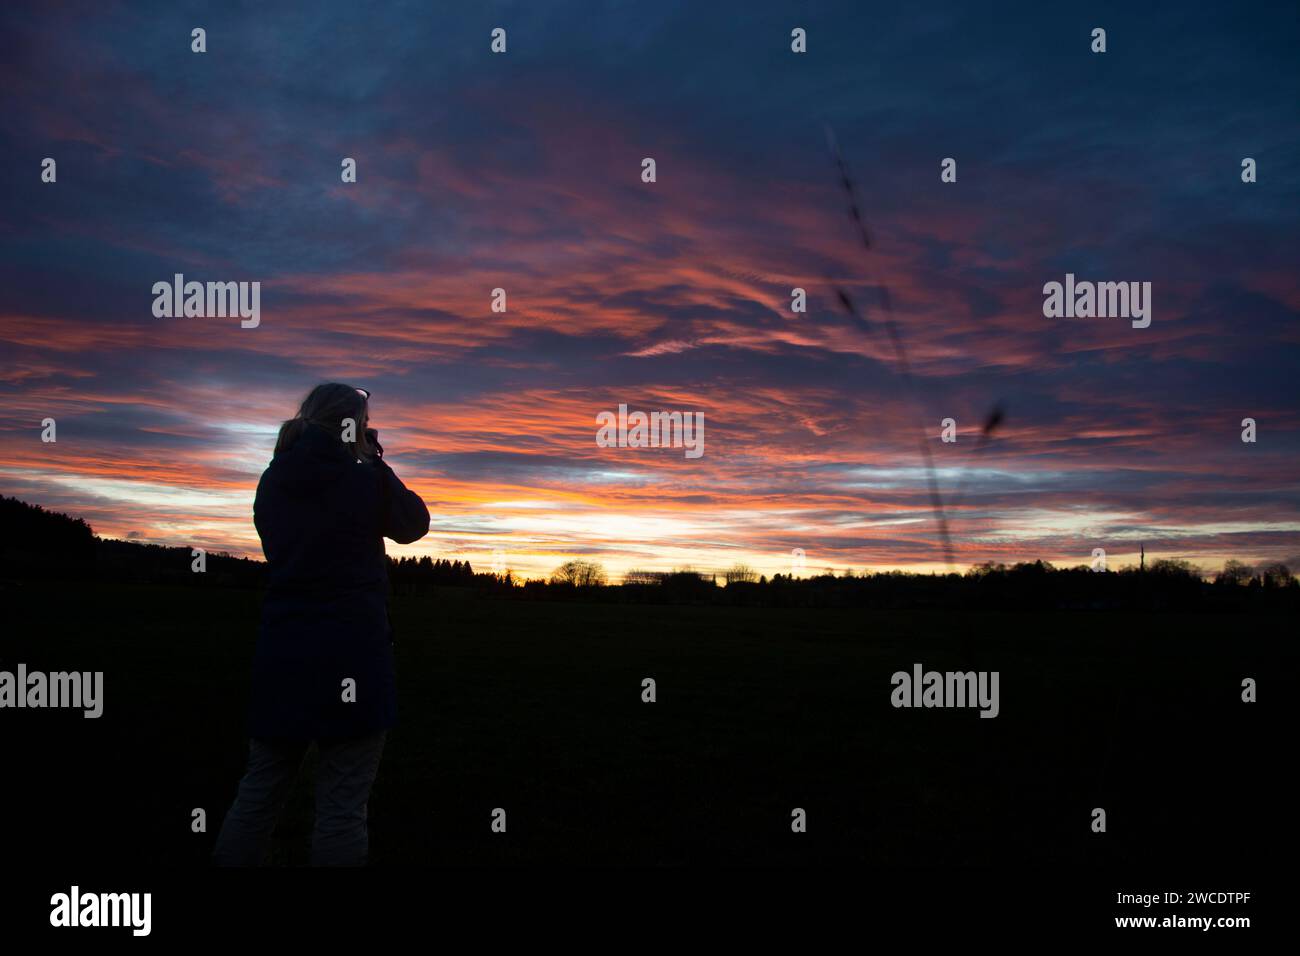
x: 535, y: 707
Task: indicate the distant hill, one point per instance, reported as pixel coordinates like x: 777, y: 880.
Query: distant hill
x: 36, y: 543
x: 33, y: 540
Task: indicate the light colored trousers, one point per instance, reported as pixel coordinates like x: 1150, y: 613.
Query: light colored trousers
x: 344, y: 774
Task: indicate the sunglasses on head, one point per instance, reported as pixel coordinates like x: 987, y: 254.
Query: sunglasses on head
x: 364, y: 393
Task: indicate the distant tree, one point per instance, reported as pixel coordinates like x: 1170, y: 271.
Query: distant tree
x: 740, y: 574
x: 1234, y: 572
x: 579, y: 574
x: 639, y: 576
x: 1032, y: 567
x: 1276, y: 575
x: 1175, y: 567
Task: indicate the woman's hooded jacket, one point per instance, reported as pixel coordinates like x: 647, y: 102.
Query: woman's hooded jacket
x: 322, y: 516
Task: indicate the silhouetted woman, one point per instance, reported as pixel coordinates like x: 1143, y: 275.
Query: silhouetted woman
x: 323, y: 669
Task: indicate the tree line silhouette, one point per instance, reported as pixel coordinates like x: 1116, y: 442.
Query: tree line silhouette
x: 40, y: 544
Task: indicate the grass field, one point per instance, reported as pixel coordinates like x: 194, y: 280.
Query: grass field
x: 536, y: 708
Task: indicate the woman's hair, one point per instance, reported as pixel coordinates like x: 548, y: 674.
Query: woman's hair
x: 328, y: 405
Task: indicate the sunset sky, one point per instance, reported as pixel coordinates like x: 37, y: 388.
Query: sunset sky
x: 522, y: 171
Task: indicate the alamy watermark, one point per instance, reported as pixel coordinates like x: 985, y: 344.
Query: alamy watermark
x: 946, y: 689
x: 75, y: 908
x: 655, y: 430
x: 1103, y: 300
x: 75, y: 690
x: 179, y: 298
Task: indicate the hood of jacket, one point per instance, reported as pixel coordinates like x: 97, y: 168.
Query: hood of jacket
x: 315, y: 461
